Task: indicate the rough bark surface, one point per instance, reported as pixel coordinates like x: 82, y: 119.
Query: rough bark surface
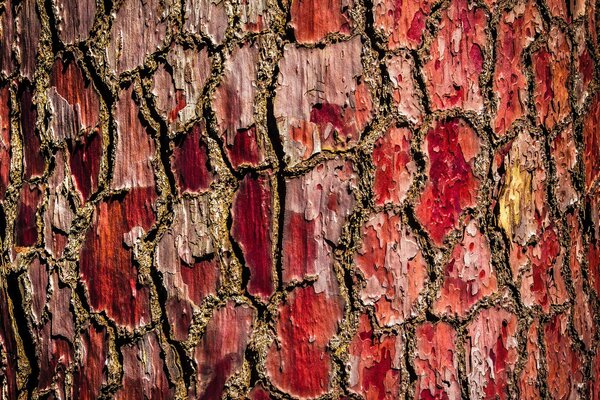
x: 272, y: 199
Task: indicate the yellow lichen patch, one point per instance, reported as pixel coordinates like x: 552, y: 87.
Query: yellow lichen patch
x: 517, y: 192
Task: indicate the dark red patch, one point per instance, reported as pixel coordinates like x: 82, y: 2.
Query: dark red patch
x: 85, y: 157
x: 334, y: 123
x: 33, y: 158
x: 451, y: 186
x: 252, y: 229
x: 202, y: 279
x: 417, y: 26
x: 190, y: 162
x: 259, y: 393
x: 106, y: 263
x: 245, y: 149
x: 586, y: 66
x: 300, y: 250
x: 26, y: 226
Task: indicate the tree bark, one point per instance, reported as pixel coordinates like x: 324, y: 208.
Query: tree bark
x: 272, y: 199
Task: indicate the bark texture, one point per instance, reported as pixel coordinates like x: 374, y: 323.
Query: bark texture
x: 272, y: 199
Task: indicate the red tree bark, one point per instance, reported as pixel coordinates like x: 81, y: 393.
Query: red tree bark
x: 269, y: 199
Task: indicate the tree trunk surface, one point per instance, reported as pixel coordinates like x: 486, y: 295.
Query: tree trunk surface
x: 273, y: 199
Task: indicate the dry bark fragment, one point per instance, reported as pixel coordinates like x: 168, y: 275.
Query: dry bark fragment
x: 255, y: 15
x: 321, y: 102
x: 313, y: 20
x: 567, y: 10
x: 37, y: 273
x: 436, y: 363
x: 404, y: 88
x: 220, y: 353
x: 583, y: 320
x: 551, y: 69
x: 7, y: 35
x: 27, y: 39
x: 523, y: 195
x: 375, y: 366
x: 178, y: 85
x: 55, y: 357
x: 593, y: 253
x: 139, y: 28
x: 491, y: 353
x: 528, y: 381
x: 144, y: 370
x: 316, y: 207
x: 457, y: 57
x: 75, y: 19
x: 298, y: 362
x: 564, y: 154
x: 91, y: 373
x: 182, y: 256
x: 393, y: 267
x: 469, y: 275
x: 106, y: 265
x: 206, y: 17
x: 4, y: 140
x: 9, y: 347
x: 591, y: 135
x: 451, y: 147
x: 54, y: 341
x: 352, y: 234
x: 190, y: 162
x: 234, y: 106
x: 595, y: 385
x: 517, y: 30
x: 252, y: 229
x: 132, y: 172
x: 26, y: 226
x: 536, y: 255
x: 565, y: 367
x: 584, y: 67
x: 403, y: 23
x: 394, y: 166
x: 593, y: 23
x: 75, y: 118
x: 59, y: 214
x: 542, y: 283
x: 32, y: 158
x: 19, y: 37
